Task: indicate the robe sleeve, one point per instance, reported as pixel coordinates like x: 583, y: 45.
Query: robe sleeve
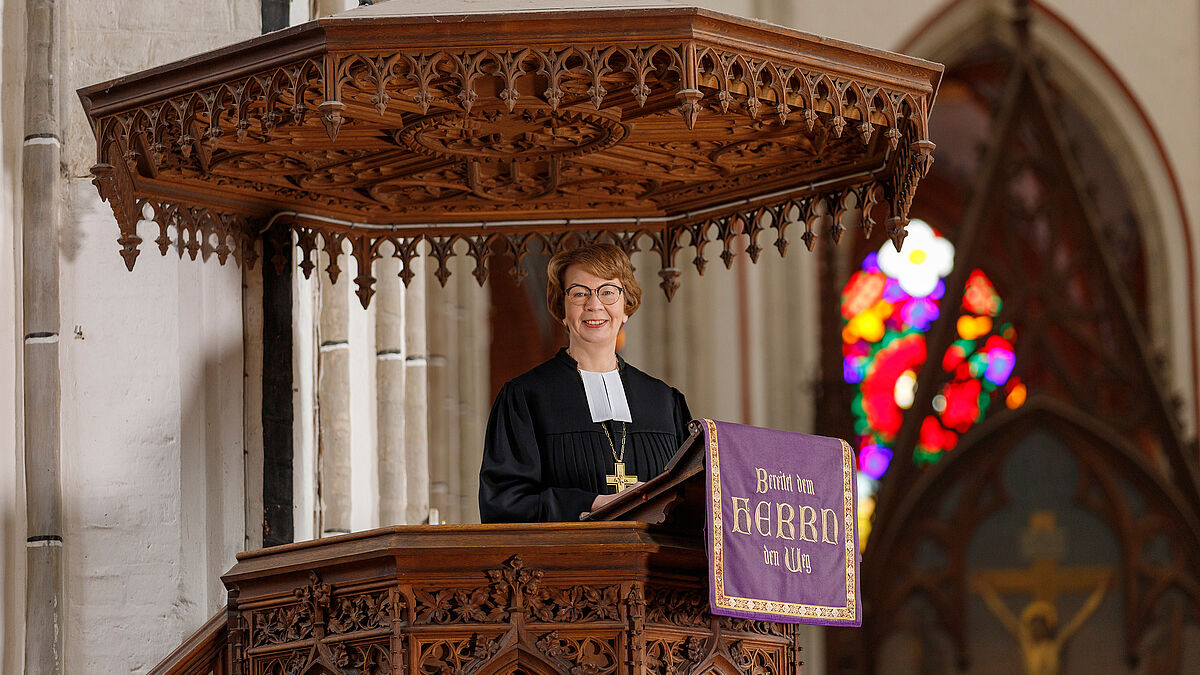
x: 682, y: 416
x: 511, y: 487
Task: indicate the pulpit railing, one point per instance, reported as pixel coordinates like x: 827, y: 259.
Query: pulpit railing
x: 204, y: 653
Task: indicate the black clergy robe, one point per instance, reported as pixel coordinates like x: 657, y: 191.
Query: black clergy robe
x: 544, y: 459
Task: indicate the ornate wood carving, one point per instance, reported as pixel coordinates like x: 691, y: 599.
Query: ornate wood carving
x: 322, y: 630
x: 457, y: 656
x: 585, y: 654
x: 677, y: 607
x: 689, y: 122
x: 430, y: 600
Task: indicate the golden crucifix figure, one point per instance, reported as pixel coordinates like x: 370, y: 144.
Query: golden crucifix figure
x: 619, y: 477
x: 1037, y: 630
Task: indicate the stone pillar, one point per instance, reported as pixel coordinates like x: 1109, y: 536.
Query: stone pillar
x: 803, y: 284
x: 364, y: 457
x: 42, y: 194
x: 306, y: 427
x: 390, y: 370
x: 333, y: 404
x: 707, y: 316
x: 779, y: 300
x: 645, y: 346
x: 472, y: 391
x: 255, y: 515
x: 754, y: 278
x: 691, y: 313
x: 416, y: 396
x: 443, y: 400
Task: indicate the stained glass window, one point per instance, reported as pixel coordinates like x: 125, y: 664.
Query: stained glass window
x: 887, y: 307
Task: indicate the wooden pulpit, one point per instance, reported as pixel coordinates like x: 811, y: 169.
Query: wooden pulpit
x: 624, y: 592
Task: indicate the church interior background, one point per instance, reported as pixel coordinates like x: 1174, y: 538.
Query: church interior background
x: 1021, y: 381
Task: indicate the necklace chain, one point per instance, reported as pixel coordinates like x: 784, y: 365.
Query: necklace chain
x: 621, y: 457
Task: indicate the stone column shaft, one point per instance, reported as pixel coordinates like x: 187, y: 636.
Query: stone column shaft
x: 472, y: 394
x: 416, y: 396
x: 390, y: 357
x: 443, y: 400
x: 333, y: 405
x: 42, y: 194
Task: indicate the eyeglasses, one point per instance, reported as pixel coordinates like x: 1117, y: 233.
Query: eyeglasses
x: 578, y: 294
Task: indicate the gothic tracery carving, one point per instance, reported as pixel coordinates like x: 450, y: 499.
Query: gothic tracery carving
x: 457, y: 655
x: 518, y: 615
x: 586, y: 655
x: 649, y: 134
x: 677, y: 607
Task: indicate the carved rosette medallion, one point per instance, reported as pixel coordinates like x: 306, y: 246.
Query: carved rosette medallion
x: 528, y: 133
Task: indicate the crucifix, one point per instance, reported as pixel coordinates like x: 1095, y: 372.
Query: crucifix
x: 1037, y: 629
x: 619, y: 477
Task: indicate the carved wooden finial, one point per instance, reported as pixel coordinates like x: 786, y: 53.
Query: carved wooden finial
x: 838, y: 124
x: 865, y: 131
x: 129, y: 249
x: 809, y: 238
x: 670, y: 281
x: 331, y: 117
x: 836, y: 231
x: 896, y: 231
x: 810, y: 119
x: 922, y: 155
x: 366, y: 289
x: 689, y: 105
x: 893, y: 136
x: 752, y: 107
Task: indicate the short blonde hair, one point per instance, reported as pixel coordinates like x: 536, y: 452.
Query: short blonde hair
x: 606, y: 261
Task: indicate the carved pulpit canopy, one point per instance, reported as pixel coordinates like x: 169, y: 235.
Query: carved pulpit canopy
x: 512, y: 126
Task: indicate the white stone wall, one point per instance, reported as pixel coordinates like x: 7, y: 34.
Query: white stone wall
x: 110, y: 38
x: 152, y: 445
x: 152, y: 363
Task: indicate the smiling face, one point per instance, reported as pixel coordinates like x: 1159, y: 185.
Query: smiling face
x: 592, y: 323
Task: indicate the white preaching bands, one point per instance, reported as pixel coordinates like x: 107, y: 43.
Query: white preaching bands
x: 606, y: 396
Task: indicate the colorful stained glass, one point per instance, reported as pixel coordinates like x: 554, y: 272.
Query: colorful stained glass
x: 923, y: 261
x: 887, y: 306
x: 1014, y: 393
x: 980, y: 297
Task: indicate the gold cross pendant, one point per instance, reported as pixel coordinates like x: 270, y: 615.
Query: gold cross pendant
x: 619, y: 478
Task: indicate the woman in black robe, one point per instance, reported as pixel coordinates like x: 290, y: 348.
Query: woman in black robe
x: 560, y: 435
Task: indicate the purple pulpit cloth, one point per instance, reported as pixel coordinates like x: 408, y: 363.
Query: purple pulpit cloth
x: 782, y: 526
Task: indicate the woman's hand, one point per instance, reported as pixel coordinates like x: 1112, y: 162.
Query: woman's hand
x: 601, y: 500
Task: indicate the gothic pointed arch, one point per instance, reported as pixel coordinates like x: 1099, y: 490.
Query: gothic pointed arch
x: 519, y: 659
x: 319, y: 668
x: 1027, y: 195
x: 1124, y: 131
x: 1155, y: 529
x: 721, y: 663
x: 525, y: 653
